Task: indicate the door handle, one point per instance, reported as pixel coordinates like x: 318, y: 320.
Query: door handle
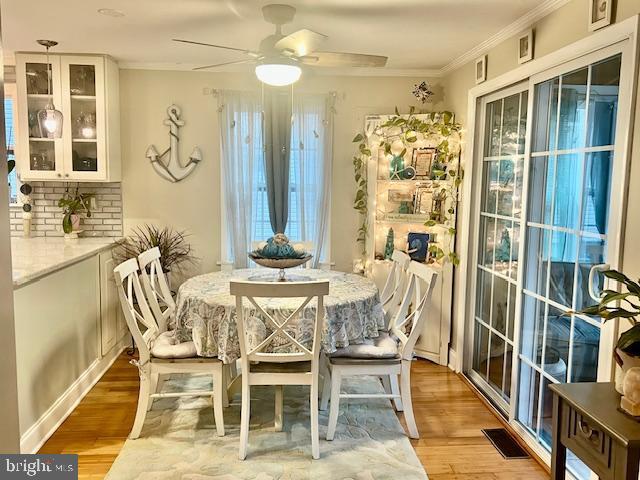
x: 592, y: 273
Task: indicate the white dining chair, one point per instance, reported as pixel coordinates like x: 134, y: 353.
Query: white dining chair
x: 159, y: 352
x: 395, y: 285
x: 279, y: 369
x: 156, y: 287
x: 389, y: 354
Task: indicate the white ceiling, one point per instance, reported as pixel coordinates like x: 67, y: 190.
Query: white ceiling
x: 414, y: 34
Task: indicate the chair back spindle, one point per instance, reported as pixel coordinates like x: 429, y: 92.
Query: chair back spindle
x: 130, y: 293
x: 406, y: 325
x: 392, y: 292
x: 156, y: 287
x: 253, y: 291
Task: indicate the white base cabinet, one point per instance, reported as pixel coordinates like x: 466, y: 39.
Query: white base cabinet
x: 69, y: 328
x: 85, y: 88
x: 112, y: 324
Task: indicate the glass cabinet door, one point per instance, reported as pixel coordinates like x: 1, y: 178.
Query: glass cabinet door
x: 84, y: 116
x: 43, y: 154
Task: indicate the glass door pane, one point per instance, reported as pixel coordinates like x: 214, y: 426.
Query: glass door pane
x: 570, y: 170
x: 40, y: 91
x: 82, y: 92
x: 497, y: 260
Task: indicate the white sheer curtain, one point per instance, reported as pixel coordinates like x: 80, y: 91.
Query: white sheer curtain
x: 310, y: 173
x: 242, y: 157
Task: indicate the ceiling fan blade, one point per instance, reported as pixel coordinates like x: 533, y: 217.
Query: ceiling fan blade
x: 237, y: 62
x: 340, y: 59
x: 301, y: 43
x: 248, y: 52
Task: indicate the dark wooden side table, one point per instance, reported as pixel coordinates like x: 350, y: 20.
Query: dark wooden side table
x: 586, y: 420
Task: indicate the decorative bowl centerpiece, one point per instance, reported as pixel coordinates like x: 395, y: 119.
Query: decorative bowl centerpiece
x: 278, y: 253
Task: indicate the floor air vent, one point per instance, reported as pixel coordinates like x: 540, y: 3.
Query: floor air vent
x: 505, y: 443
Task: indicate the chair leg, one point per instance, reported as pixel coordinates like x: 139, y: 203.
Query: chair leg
x: 334, y: 408
x: 278, y: 413
x: 405, y: 386
x: 219, y: 388
x: 224, y: 390
x: 153, y: 388
x: 143, y: 403
x: 315, y: 447
x: 245, y: 412
x: 395, y: 390
x: 326, y: 389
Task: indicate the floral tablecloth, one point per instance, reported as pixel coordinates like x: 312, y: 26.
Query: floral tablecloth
x: 205, y: 312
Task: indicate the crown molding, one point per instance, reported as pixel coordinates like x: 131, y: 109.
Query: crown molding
x: 524, y: 22
x: 347, y: 71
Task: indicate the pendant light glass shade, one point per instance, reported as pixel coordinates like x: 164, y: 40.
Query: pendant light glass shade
x: 278, y: 74
x: 50, y: 121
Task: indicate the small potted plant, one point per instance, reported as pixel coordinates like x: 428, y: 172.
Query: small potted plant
x: 624, y: 305
x: 72, y: 205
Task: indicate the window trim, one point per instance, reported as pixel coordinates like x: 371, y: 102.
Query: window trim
x: 10, y: 91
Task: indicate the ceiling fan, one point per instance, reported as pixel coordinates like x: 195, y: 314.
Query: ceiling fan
x: 279, y: 56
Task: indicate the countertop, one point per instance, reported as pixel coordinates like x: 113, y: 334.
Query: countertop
x: 38, y: 256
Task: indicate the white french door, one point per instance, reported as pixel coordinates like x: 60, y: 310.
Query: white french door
x: 548, y: 214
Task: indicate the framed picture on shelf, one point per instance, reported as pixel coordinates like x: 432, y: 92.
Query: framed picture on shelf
x: 398, y: 196
x: 599, y: 14
x: 417, y: 243
x: 423, y: 199
x: 525, y: 47
x: 422, y: 160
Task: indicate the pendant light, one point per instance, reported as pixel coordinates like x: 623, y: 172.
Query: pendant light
x: 49, y: 118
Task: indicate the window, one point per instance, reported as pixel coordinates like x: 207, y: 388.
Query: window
x: 304, y: 163
x: 9, y: 109
x: 245, y: 206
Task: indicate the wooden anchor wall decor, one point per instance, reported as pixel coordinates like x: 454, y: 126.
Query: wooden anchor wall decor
x: 172, y: 169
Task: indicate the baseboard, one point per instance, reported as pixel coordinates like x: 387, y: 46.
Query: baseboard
x: 453, y: 361
x: 33, y: 439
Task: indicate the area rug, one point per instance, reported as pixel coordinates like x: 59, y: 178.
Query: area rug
x: 178, y: 440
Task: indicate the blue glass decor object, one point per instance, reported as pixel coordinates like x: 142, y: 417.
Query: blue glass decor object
x: 418, y: 244
x: 278, y: 247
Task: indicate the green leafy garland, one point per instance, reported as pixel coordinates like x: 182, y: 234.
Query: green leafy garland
x: 440, y: 128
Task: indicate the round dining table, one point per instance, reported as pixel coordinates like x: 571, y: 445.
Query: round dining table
x: 205, y: 311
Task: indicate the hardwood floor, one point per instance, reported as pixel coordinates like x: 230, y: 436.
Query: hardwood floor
x: 448, y: 413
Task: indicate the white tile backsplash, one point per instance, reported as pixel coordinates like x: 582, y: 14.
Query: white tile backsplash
x: 105, y: 221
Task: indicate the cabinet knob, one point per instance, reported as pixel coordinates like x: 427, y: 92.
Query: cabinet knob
x: 66, y: 174
x: 59, y: 175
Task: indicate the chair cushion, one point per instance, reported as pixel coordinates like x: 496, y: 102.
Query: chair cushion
x: 166, y: 345
x: 384, y: 346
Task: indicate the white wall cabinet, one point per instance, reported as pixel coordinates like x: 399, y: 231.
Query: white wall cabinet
x: 85, y: 89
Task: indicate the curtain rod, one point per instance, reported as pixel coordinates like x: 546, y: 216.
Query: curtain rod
x: 215, y: 92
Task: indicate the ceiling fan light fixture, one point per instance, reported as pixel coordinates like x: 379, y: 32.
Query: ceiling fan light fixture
x: 278, y: 74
